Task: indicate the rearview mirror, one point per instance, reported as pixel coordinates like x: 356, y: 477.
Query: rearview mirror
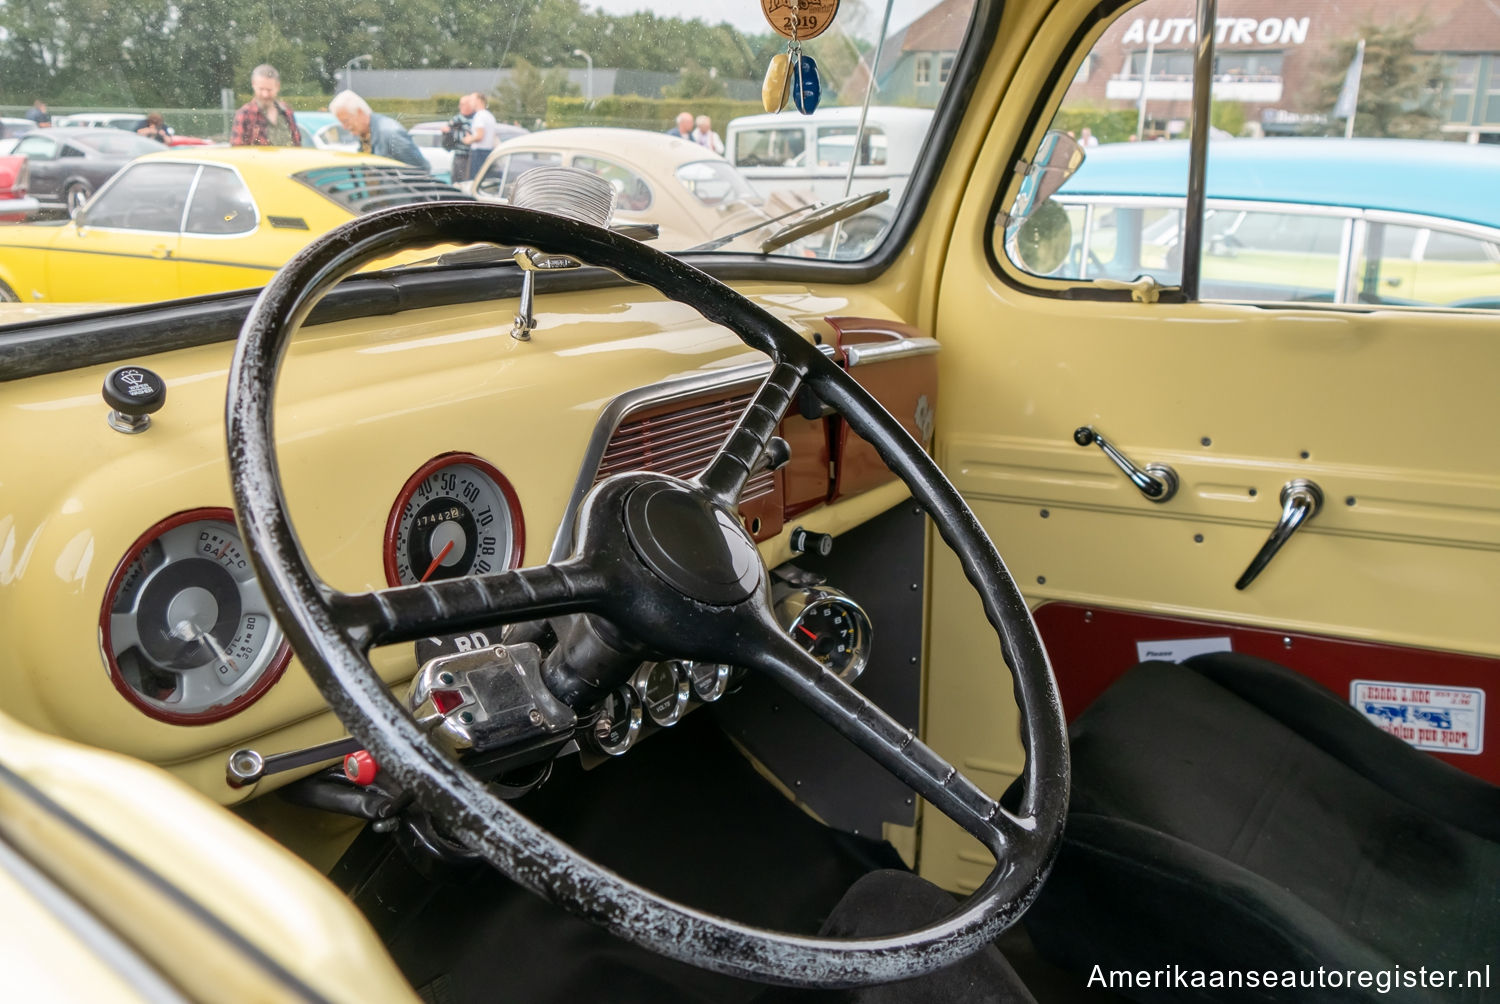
x: 1057, y: 157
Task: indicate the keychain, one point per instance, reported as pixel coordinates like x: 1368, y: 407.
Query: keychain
x: 793, y: 73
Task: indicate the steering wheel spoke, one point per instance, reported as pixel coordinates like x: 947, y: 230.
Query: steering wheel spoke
x: 406, y: 613
x: 732, y: 466
x: 889, y: 743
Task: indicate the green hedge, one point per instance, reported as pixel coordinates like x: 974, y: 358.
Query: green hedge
x: 1107, y: 126
x: 632, y: 112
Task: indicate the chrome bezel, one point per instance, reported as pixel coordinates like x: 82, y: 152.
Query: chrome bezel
x: 794, y: 608
x: 632, y: 729
x: 717, y: 688
x: 671, y: 714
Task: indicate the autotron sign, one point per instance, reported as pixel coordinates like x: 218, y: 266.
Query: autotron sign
x: 1228, y: 31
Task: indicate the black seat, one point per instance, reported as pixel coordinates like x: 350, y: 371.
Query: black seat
x: 1230, y: 815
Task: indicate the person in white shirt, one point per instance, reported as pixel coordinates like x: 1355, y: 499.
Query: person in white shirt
x: 483, y: 133
x: 705, y: 136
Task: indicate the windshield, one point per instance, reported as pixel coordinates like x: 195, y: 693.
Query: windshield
x: 447, y: 89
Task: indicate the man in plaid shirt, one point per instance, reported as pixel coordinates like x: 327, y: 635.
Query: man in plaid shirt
x: 264, y: 121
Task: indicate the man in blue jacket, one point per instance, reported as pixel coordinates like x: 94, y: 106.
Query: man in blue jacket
x: 378, y: 134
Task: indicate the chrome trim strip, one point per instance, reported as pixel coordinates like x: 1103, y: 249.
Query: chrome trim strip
x: 109, y: 947
x: 879, y: 351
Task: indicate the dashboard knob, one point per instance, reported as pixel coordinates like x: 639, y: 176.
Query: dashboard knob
x: 133, y: 392
x: 808, y: 542
x: 360, y: 767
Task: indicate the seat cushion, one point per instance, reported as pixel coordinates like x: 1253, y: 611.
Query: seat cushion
x: 1205, y: 831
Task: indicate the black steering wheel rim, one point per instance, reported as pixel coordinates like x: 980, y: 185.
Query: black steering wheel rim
x: 311, y: 614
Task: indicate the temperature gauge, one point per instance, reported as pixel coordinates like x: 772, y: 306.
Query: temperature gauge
x: 185, y: 630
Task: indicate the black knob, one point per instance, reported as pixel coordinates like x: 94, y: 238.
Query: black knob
x: 808, y: 542
x: 1083, y: 436
x: 134, y: 391
x: 777, y: 452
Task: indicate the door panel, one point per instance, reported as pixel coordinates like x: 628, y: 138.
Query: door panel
x: 112, y: 265
x: 1390, y: 412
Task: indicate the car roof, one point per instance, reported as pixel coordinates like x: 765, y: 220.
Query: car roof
x: 280, y: 160
x: 879, y: 114
x: 1429, y: 177
x: 639, y: 145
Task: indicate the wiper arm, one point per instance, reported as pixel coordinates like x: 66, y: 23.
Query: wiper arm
x: 719, y: 242
x: 823, y: 217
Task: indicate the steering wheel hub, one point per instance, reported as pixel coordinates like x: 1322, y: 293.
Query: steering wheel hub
x: 693, y: 545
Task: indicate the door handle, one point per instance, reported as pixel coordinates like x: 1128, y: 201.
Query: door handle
x: 161, y: 251
x: 1300, y: 502
x: 1157, y: 482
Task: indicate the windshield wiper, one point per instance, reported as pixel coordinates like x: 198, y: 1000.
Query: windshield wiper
x: 719, y: 242
x: 823, y: 217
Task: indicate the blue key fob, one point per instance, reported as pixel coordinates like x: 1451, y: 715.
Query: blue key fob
x: 807, y: 90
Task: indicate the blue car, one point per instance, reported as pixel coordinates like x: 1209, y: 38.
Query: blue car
x: 1364, y: 221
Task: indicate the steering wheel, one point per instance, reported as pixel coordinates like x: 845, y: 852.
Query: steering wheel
x: 663, y: 566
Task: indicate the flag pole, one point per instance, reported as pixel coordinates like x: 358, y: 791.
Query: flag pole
x: 1351, y: 86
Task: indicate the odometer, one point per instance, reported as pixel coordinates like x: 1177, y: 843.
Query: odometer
x: 457, y: 515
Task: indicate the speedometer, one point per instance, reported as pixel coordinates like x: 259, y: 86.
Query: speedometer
x: 455, y: 516
x: 186, y: 632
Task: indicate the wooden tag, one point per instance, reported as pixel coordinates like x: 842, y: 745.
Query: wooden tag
x: 799, y: 19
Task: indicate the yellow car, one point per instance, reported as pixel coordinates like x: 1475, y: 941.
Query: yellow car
x: 177, y: 224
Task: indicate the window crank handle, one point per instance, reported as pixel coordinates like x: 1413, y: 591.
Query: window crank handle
x: 1157, y: 482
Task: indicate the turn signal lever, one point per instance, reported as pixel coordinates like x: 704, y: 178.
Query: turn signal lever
x: 1157, y: 482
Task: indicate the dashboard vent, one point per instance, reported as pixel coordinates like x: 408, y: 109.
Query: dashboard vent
x: 680, y: 442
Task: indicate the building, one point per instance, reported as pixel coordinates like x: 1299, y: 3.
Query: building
x: 1271, y: 55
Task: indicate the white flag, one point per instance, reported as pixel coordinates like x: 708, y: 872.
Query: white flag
x: 1349, y: 94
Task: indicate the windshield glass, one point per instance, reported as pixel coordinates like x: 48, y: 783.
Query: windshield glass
x: 448, y: 89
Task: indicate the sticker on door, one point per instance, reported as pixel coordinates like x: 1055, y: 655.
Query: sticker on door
x: 1441, y: 719
x: 1178, y: 649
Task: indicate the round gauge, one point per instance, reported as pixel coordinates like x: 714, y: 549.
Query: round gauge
x: 664, y: 691
x: 709, y: 680
x: 455, y: 516
x: 186, y: 632
x: 618, y: 724
x: 835, y: 630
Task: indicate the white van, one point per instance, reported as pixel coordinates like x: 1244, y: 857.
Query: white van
x: 792, y: 150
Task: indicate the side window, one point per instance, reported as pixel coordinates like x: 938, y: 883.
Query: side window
x: 834, y: 143
x: 768, y: 147
x: 69, y: 150
x: 1314, y: 193
x: 146, y: 197
x: 221, y: 204
x: 631, y: 191
x: 1428, y: 266
x: 499, y: 181
x: 37, y: 148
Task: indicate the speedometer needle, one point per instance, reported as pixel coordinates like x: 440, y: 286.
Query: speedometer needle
x: 436, y: 562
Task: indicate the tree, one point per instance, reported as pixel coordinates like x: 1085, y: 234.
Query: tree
x: 522, y: 97
x: 1399, y: 88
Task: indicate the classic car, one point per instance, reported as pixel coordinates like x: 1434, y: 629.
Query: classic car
x: 69, y: 164
x: 430, y: 138
x: 343, y: 617
x: 694, y: 196
x: 15, y: 204
x: 175, y: 223
x: 15, y: 127
x: 1361, y: 221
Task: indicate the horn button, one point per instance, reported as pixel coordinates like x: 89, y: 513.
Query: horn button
x: 698, y: 548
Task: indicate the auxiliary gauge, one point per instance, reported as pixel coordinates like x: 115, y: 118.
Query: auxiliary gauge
x: 457, y: 515
x: 186, y: 632
x: 830, y: 626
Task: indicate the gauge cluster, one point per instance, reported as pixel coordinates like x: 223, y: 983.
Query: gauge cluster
x: 185, y: 631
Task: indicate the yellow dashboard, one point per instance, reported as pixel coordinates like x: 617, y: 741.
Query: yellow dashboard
x: 368, y: 411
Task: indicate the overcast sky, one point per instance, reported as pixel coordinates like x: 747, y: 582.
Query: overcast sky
x: 746, y: 16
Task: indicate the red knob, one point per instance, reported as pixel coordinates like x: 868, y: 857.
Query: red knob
x: 360, y: 767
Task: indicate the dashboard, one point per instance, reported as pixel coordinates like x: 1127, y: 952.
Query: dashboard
x: 416, y: 445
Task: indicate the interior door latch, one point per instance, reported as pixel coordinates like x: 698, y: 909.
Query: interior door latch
x: 1300, y: 501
